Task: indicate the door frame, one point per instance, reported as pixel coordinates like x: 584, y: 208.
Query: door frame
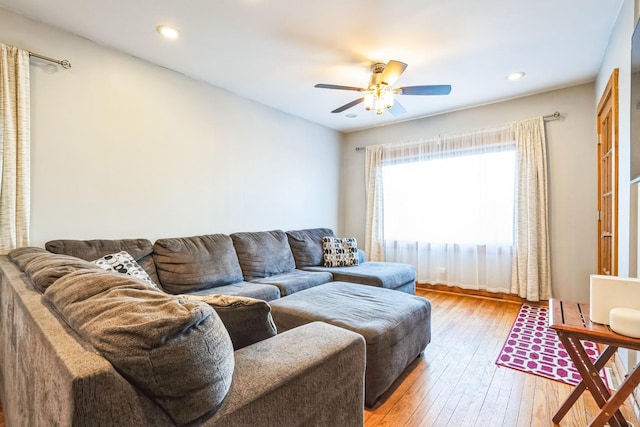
x: 609, y: 103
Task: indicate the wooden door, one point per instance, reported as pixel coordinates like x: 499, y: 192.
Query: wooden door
x: 608, y: 178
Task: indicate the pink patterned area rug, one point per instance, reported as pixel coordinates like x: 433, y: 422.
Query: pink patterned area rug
x: 534, y: 348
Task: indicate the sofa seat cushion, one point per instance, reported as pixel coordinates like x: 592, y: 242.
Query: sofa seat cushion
x: 175, y: 350
x: 389, y: 275
x: 90, y: 250
x: 243, y: 289
x: 296, y: 280
x: 263, y: 254
x: 248, y: 320
x: 44, y: 268
x: 192, y: 263
x: 306, y: 246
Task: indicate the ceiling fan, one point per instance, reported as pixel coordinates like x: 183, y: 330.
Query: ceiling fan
x: 379, y: 95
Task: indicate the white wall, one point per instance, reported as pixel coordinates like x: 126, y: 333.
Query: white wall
x: 123, y: 148
x: 572, y: 174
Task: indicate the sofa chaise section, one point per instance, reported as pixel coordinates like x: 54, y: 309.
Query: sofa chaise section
x: 306, y: 246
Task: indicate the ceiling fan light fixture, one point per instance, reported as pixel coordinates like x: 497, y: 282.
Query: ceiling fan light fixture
x: 368, y: 101
x: 167, y: 31
x: 379, y: 95
x: 388, y: 99
x: 379, y: 105
x: 379, y: 99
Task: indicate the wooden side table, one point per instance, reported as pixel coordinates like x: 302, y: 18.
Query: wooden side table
x: 572, y: 323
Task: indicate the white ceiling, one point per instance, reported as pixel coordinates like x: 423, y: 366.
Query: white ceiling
x: 274, y: 51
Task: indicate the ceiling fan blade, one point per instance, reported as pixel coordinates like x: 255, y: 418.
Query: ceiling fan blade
x: 327, y: 86
x: 425, y: 90
x: 396, y: 109
x: 392, y: 71
x: 347, y: 106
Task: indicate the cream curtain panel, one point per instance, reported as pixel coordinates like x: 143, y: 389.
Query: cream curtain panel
x: 531, y: 270
x: 518, y: 264
x: 374, y: 238
x: 14, y: 148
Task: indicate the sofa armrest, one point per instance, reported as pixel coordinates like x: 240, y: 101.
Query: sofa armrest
x: 313, y: 372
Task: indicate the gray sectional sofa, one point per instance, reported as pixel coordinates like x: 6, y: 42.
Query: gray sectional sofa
x: 196, y: 345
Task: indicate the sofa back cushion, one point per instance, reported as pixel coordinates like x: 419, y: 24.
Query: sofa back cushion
x: 44, y: 268
x: 23, y: 256
x: 177, y: 351
x: 90, y: 250
x: 263, y: 254
x: 190, y: 264
x: 306, y: 246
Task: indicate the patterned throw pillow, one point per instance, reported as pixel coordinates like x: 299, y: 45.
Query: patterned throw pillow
x: 340, y: 252
x: 351, y: 250
x: 123, y: 262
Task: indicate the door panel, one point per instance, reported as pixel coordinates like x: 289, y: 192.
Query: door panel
x: 608, y: 178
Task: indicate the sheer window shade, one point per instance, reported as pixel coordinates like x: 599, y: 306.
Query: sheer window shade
x: 459, y: 219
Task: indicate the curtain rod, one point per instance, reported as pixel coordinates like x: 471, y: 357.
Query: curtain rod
x: 554, y: 116
x: 64, y: 63
x: 550, y: 117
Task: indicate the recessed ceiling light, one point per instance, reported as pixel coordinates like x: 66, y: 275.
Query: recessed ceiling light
x: 167, y: 31
x: 515, y: 76
x: 351, y: 115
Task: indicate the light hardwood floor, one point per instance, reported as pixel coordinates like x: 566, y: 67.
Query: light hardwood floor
x: 457, y: 383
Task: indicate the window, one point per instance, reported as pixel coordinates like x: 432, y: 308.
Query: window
x: 466, y: 209
x: 465, y: 199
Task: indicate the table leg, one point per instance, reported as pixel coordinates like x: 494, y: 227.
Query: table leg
x: 581, y: 387
x: 602, y: 387
x: 618, y: 398
x: 590, y: 376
